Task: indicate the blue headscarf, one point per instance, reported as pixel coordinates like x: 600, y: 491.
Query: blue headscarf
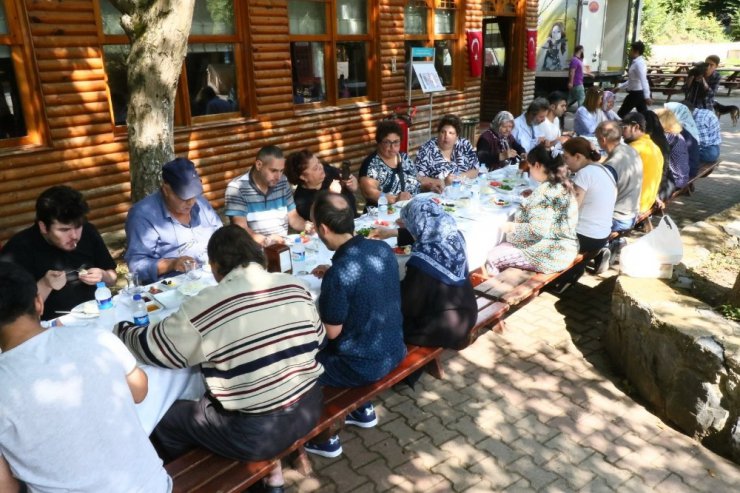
x: 439, y: 249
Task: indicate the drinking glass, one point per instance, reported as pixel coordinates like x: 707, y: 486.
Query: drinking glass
x: 132, y: 284
x: 191, y: 269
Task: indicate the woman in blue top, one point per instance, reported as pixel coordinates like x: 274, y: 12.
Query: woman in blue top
x: 590, y: 114
x: 446, y: 155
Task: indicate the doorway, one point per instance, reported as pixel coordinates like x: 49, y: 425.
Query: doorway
x: 495, y: 82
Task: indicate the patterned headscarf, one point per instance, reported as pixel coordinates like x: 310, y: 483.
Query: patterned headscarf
x: 501, y: 118
x: 439, y: 249
x: 685, y: 118
x: 606, y: 98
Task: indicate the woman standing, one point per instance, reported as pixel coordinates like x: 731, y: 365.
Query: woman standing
x: 387, y: 170
x: 310, y: 176
x: 496, y: 146
x: 437, y: 299
x: 446, y: 155
x: 542, y: 237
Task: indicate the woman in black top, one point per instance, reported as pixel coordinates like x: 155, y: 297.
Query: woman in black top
x: 437, y: 299
x: 310, y: 176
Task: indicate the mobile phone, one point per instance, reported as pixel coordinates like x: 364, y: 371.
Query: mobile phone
x: 345, y: 170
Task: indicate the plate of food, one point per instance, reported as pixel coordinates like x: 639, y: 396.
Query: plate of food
x: 402, y: 250
x: 168, y: 299
x: 499, y: 202
x: 502, y: 186
x: 88, y: 309
x: 364, y: 231
x: 290, y: 239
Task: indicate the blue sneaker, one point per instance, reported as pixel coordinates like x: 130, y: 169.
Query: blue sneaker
x: 364, y: 416
x: 330, y: 448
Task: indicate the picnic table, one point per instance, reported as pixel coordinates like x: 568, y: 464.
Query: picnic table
x: 732, y: 78
x: 667, y: 83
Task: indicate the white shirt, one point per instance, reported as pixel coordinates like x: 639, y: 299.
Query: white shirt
x: 524, y: 133
x: 597, y: 208
x: 637, y: 77
x: 550, y: 130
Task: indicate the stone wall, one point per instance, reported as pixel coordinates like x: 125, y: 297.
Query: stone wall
x: 681, y: 357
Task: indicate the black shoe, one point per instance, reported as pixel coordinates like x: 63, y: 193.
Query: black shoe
x: 262, y: 487
x: 601, y: 261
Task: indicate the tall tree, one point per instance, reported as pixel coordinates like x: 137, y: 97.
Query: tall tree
x: 158, y: 30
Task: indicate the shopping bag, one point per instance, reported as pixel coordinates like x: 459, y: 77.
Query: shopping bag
x: 654, y: 254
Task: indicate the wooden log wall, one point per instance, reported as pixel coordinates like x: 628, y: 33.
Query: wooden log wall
x: 84, y: 151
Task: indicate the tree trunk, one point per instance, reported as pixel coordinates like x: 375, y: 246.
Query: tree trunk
x: 158, y: 30
x: 734, y: 298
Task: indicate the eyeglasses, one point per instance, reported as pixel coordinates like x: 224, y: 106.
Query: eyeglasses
x: 391, y: 143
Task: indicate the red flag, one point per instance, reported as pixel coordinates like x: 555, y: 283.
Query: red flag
x: 531, y: 49
x: 475, y: 52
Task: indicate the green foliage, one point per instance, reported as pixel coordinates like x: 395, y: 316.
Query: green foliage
x: 679, y: 21
x: 730, y: 312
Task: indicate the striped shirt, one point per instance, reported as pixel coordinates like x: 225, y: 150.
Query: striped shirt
x: 255, y: 336
x: 266, y: 213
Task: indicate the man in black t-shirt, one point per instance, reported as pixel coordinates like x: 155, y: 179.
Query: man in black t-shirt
x: 62, y: 251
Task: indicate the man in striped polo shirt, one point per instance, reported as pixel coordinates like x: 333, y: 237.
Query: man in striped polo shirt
x: 254, y: 337
x: 261, y: 201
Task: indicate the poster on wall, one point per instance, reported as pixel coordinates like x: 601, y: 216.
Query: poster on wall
x: 428, y: 77
x: 556, y: 34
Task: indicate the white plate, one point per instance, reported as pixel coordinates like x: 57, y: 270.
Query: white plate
x: 400, y: 204
x: 88, y: 309
x: 169, y: 299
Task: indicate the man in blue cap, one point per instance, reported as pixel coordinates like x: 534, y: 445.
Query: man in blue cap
x: 171, y: 225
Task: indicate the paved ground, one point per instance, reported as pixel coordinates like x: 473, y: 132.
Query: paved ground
x: 537, y: 408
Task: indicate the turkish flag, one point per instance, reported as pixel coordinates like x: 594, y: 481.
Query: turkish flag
x: 531, y: 49
x: 475, y: 52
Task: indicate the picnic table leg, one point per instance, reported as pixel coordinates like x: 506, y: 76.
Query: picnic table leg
x: 434, y: 368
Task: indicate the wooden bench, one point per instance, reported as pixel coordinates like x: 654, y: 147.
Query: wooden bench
x: 206, y: 472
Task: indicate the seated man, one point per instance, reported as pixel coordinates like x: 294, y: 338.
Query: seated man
x: 526, y: 131
x: 68, y: 420
x: 171, y: 225
x: 633, y: 132
x: 710, y: 137
x: 254, y: 337
x: 360, y: 305
x: 261, y: 200
x: 628, y: 165
x: 62, y: 251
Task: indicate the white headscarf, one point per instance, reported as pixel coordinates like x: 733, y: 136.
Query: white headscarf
x: 685, y: 118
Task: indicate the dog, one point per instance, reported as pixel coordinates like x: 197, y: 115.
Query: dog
x: 732, y: 110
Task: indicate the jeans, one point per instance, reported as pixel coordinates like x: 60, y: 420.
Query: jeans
x: 624, y: 225
x: 708, y: 154
x: 577, y: 95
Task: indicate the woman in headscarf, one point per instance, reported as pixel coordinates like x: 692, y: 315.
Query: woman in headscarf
x: 690, y: 134
x: 607, y: 106
x: 437, y: 299
x: 497, y: 147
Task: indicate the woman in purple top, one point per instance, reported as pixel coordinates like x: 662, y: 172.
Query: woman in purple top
x: 575, y: 78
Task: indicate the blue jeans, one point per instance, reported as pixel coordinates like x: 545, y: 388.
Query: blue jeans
x: 708, y: 154
x: 625, y: 225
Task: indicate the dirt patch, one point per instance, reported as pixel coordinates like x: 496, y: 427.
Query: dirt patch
x: 714, y: 279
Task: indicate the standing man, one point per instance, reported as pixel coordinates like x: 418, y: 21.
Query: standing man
x: 576, y: 92
x: 62, y: 251
x: 638, y: 89
x: 261, y: 200
x: 171, y: 225
x: 67, y: 415
x: 254, y: 337
x: 525, y: 125
x: 360, y: 305
x: 633, y: 131
x: 628, y: 165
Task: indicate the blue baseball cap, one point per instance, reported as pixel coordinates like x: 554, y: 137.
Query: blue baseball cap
x: 181, y: 176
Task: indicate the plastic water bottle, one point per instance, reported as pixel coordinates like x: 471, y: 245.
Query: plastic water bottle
x: 141, y: 315
x: 103, y: 296
x: 383, y: 206
x: 456, y: 191
x: 298, y: 256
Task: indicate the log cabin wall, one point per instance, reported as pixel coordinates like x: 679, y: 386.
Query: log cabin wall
x: 80, y: 147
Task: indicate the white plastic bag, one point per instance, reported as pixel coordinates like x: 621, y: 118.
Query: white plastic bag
x: 654, y: 254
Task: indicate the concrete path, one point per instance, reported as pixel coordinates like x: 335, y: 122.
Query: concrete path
x: 537, y: 408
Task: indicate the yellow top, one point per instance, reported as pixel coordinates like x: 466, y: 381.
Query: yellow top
x: 652, y: 170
